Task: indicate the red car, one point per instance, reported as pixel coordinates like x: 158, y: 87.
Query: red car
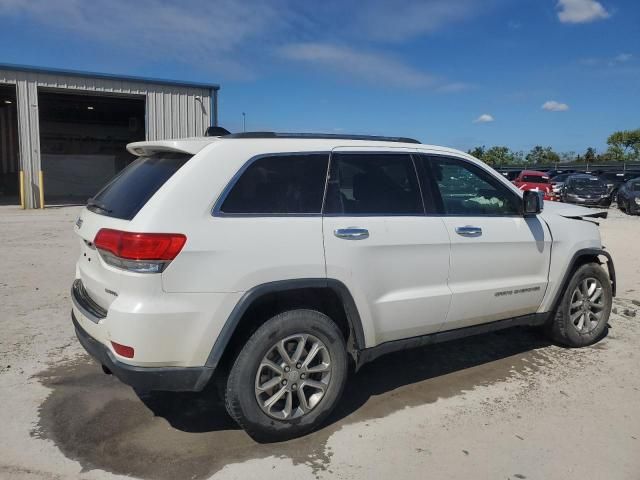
x: 533, y: 180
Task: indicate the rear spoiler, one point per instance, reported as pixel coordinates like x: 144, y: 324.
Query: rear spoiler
x: 188, y: 145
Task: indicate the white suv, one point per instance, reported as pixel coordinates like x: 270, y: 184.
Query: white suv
x: 274, y: 262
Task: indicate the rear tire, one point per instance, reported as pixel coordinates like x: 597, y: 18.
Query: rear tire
x: 288, y: 377
x: 583, y: 312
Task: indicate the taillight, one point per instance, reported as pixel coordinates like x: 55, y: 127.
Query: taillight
x: 138, y: 252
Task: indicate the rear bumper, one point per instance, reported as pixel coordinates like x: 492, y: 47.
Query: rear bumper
x: 176, y: 379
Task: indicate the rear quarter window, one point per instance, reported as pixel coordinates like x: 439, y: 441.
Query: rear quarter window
x: 284, y: 184
x: 131, y: 189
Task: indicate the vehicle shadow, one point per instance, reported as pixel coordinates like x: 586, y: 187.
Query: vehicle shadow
x: 392, y: 382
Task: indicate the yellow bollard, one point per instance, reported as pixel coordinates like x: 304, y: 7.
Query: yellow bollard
x: 41, y: 178
x: 22, y: 189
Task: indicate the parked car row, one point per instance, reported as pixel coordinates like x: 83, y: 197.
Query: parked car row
x: 591, y: 189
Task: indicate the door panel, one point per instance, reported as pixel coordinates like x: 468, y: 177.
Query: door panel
x: 501, y: 273
x: 499, y: 259
x: 379, y: 243
x: 398, y: 275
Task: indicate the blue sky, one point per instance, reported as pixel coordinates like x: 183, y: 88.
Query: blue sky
x: 460, y: 73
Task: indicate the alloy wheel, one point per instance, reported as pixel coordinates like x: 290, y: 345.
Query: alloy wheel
x: 587, y: 305
x: 293, y: 377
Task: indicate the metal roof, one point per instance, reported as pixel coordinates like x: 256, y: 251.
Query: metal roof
x: 107, y: 76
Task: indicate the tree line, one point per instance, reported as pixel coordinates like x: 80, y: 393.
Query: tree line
x: 623, y: 146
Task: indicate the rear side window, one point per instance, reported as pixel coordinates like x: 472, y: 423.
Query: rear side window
x: 129, y: 191
x: 373, y: 184
x: 280, y: 185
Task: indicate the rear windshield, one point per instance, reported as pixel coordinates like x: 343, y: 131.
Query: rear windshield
x: 127, y: 192
x: 535, y: 179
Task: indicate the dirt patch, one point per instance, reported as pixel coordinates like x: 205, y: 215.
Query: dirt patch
x: 98, y: 421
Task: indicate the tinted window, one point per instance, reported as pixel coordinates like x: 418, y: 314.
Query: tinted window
x: 534, y: 179
x: 373, y: 184
x: 128, y: 192
x: 582, y: 182
x: 280, y: 184
x: 612, y: 177
x: 468, y: 190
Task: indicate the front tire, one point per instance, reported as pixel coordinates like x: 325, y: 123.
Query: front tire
x: 288, y: 377
x: 583, y: 313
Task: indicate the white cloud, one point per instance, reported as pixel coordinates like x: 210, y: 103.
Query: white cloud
x: 553, y: 106
x: 484, y: 118
x: 206, y: 33
x: 615, y: 61
x: 514, y: 25
x: 623, y: 57
x: 236, y: 39
x: 369, y: 66
x: 404, y: 19
x: 581, y: 11
x: 455, y: 87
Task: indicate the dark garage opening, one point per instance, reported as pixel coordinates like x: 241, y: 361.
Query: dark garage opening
x: 83, y: 140
x: 9, y: 156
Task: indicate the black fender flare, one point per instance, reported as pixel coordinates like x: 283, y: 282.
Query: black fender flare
x: 582, y: 253
x: 351, y: 310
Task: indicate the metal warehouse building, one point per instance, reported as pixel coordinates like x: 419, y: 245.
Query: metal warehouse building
x: 63, y: 133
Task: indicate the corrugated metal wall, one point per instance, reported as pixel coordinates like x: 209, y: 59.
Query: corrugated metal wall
x: 9, y: 162
x: 171, y: 111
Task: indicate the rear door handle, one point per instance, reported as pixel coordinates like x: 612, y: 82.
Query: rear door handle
x: 352, y: 233
x: 469, y: 231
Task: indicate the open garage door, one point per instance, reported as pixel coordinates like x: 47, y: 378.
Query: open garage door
x: 82, y: 141
x: 9, y: 156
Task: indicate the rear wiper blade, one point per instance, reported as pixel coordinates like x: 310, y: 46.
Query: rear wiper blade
x: 98, y: 205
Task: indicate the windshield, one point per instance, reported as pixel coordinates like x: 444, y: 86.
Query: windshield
x: 634, y: 185
x: 583, y: 182
x: 130, y: 190
x: 535, y: 179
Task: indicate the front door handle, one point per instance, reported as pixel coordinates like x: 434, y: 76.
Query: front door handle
x: 352, y: 233
x: 469, y: 231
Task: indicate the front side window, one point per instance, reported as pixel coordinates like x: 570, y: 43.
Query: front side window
x: 373, y: 184
x: 467, y: 190
x: 286, y: 184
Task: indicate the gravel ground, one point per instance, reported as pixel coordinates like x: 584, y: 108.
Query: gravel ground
x: 503, y: 405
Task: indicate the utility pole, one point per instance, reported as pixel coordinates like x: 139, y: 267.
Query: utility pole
x: 244, y: 122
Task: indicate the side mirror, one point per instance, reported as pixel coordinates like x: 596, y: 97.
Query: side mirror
x: 533, y: 202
